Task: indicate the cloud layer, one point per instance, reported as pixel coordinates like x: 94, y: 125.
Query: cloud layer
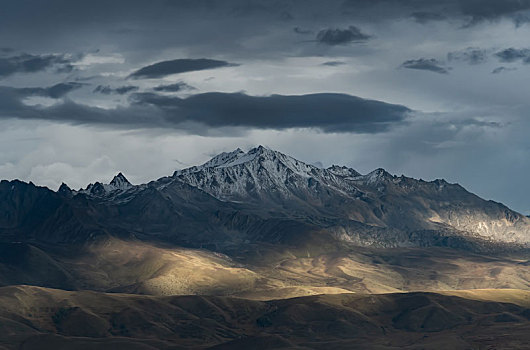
x: 512, y: 55
x: 178, y: 86
x: 56, y: 91
x: 327, y: 112
x: 27, y: 63
x: 334, y: 36
x: 428, y: 64
x: 122, y: 90
x: 183, y: 65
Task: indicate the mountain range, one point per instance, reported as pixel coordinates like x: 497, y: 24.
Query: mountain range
x: 260, y: 226
x: 240, y: 196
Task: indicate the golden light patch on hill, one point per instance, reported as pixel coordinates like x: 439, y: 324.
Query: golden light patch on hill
x: 281, y: 272
x: 513, y: 296
x: 364, y: 270
x: 289, y: 292
x: 137, y: 267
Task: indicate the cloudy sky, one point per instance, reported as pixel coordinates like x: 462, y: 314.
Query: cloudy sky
x: 429, y: 89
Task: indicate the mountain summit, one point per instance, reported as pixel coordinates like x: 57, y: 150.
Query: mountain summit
x: 120, y: 182
x: 264, y: 174
x: 258, y: 154
x: 117, y: 185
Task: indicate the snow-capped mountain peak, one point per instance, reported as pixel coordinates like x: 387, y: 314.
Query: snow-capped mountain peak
x: 258, y: 156
x: 260, y: 172
x: 96, y: 189
x: 377, y: 176
x: 223, y: 159
x: 343, y: 171
x: 119, y: 182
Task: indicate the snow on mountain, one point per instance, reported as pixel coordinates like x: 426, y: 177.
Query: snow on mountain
x: 260, y: 173
x: 220, y: 160
x: 378, y: 198
x: 119, y: 182
x: 118, y: 185
x: 264, y: 155
x: 343, y: 171
x: 278, y: 183
x: 377, y: 176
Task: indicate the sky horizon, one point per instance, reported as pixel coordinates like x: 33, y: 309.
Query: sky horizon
x: 427, y: 89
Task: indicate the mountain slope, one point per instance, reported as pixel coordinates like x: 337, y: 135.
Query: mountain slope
x: 257, y: 271
x: 39, y: 318
x: 341, y: 195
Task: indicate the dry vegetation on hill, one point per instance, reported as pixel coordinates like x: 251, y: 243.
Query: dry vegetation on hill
x: 41, y: 318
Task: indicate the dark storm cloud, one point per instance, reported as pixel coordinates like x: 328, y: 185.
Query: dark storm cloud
x: 333, y: 63
x: 336, y: 36
x: 270, y: 10
x: 469, y: 55
x: 492, y: 9
x: 179, y: 86
x: 55, y: 91
x: 26, y: 63
x: 103, y: 89
x: 122, y: 90
x: 502, y: 69
x: 428, y: 64
x: 327, y: 112
x: 424, y: 11
x: 221, y: 28
x: 474, y: 122
x: 165, y: 68
x: 512, y: 55
x: 425, y: 17
x: 12, y: 106
x: 299, y: 30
